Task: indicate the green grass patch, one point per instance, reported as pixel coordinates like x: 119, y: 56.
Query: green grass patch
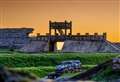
x: 107, y: 75
x: 38, y: 71
x: 5, y: 50
x: 86, y: 67
x: 44, y: 70
x: 15, y: 59
x: 68, y: 75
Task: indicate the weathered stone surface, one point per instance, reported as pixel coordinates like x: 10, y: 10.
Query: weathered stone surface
x: 13, y: 43
x: 14, y: 37
x: 35, y: 46
x: 117, y: 45
x: 89, y: 46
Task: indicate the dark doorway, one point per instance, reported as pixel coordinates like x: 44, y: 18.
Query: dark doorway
x: 52, y: 46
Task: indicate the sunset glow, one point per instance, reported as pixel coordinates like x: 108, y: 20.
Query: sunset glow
x: 87, y: 15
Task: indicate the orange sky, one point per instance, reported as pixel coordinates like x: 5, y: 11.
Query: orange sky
x: 86, y: 15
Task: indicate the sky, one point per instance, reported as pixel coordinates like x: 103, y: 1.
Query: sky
x: 86, y: 15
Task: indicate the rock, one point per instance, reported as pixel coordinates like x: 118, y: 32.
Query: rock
x: 89, y: 46
x: 35, y: 46
x: 7, y: 75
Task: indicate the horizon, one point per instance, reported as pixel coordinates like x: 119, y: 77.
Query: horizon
x: 87, y: 16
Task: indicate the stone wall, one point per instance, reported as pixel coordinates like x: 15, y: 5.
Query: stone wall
x: 35, y: 46
x: 14, y: 37
x: 117, y: 45
x: 89, y: 46
x: 13, y: 42
x: 18, y: 38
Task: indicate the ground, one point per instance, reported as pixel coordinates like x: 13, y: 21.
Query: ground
x: 41, y: 64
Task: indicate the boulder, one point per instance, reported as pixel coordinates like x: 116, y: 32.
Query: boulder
x: 89, y: 46
x: 9, y: 75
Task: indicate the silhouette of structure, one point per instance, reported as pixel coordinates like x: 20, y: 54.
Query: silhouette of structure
x: 58, y: 31
x: 62, y: 31
x: 60, y: 28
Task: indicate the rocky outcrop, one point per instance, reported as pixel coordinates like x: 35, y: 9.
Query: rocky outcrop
x: 35, y: 46
x: 89, y: 46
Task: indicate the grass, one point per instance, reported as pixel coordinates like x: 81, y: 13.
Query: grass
x: 107, y: 75
x: 39, y: 71
x: 68, y: 75
x: 15, y: 59
x: 42, y: 71
x: 43, y: 63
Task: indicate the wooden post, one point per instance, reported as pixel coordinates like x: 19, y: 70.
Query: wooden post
x: 50, y: 27
x: 50, y: 31
x: 71, y: 27
x: 70, y: 31
x: 65, y: 31
x: 105, y: 35
x: 55, y: 32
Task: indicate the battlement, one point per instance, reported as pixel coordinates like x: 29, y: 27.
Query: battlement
x: 77, y: 37
x: 60, y: 28
x: 14, y: 30
x: 60, y: 25
x: 104, y: 35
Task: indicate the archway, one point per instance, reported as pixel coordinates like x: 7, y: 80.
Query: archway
x: 59, y: 45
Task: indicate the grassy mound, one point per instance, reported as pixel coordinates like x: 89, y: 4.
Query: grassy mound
x: 107, y: 75
x: 14, y: 59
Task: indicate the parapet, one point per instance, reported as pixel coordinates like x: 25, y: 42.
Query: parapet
x: 27, y: 30
x: 78, y: 34
x: 38, y: 34
x: 87, y: 34
x: 15, y: 32
x: 95, y: 36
